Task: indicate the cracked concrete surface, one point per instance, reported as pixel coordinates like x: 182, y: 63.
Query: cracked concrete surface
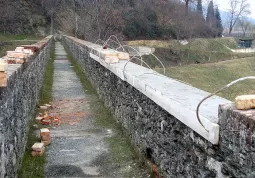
x: 76, y: 143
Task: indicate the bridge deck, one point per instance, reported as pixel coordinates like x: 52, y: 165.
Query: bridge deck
x: 78, y: 147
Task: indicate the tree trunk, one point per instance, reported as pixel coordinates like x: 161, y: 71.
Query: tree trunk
x: 230, y: 30
x: 186, y: 7
x: 52, y: 23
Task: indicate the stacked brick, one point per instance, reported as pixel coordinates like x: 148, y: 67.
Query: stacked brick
x: 20, y: 55
x: 38, y: 149
x: 245, y: 102
x: 45, y: 136
x: 3, y: 67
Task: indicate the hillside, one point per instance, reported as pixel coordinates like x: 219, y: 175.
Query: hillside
x: 22, y: 17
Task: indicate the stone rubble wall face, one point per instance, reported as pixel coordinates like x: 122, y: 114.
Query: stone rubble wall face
x: 175, y: 148
x: 17, y: 107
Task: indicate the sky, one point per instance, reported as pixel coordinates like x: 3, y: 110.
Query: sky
x: 224, y: 5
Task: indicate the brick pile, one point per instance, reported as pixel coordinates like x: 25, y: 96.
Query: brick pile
x: 45, y: 136
x: 20, y: 55
x: 38, y: 149
x: 3, y: 67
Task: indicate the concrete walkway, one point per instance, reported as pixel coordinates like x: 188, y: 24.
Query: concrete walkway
x: 78, y: 147
x: 76, y: 143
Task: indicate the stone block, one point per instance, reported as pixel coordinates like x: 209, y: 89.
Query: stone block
x: 245, y: 102
x: 123, y: 56
x: 28, y: 51
x: 3, y: 65
x: 19, y: 49
x: 111, y: 59
x: 45, y: 132
x: 3, y: 79
x: 38, y: 147
x: 16, y: 55
x: 108, y: 53
x: 33, y: 48
x: 15, y: 61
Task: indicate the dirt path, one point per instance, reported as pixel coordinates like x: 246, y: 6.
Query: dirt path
x: 78, y: 147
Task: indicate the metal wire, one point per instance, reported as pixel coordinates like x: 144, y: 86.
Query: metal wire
x: 212, y: 94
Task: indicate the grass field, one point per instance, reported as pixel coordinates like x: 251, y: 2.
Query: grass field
x: 202, y: 44
x: 199, y: 50
x: 8, y: 37
x: 213, y: 76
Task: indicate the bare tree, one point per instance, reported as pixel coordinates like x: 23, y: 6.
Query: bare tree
x: 244, y: 24
x: 237, y: 9
x: 51, y: 7
x: 187, y: 2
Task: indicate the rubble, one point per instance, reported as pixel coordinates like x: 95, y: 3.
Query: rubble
x: 39, y: 118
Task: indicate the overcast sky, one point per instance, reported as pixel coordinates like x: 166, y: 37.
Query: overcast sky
x: 224, y: 5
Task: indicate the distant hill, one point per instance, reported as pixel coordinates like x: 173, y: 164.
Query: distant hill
x: 22, y: 17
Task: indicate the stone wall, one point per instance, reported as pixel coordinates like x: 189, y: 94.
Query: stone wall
x: 17, y: 107
x: 174, y: 147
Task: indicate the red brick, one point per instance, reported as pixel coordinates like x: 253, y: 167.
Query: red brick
x: 45, y: 138
x: 3, y: 79
x: 16, y: 55
x: 45, y: 132
x: 46, y: 143
x: 38, y: 147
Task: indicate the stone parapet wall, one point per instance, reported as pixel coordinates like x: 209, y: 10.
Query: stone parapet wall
x: 177, y: 149
x: 17, y: 107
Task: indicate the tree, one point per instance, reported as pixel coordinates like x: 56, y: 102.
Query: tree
x: 219, y: 26
x: 238, y: 8
x: 210, y: 18
x: 187, y: 2
x: 199, y: 7
x: 244, y: 25
x: 51, y: 7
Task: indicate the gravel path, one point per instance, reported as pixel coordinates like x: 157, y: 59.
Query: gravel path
x: 77, y: 143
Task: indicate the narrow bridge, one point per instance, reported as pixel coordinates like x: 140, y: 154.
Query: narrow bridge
x: 157, y: 113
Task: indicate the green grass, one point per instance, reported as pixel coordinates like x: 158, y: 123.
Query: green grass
x: 33, y: 167
x: 211, y: 77
x: 8, y: 37
x: 202, y: 50
x: 46, y: 91
x: 123, y: 152
x: 202, y: 44
x: 82, y: 76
